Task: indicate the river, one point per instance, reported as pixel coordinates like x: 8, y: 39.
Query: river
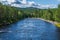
x: 30, y: 29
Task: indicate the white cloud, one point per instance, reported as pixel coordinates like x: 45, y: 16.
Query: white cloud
x: 30, y: 3
x: 25, y: 3
x: 42, y: 6
x: 2, y: 0
x: 7, y: 1
x: 10, y: 1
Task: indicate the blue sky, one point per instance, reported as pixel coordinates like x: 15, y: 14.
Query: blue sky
x: 55, y: 2
x: 33, y: 3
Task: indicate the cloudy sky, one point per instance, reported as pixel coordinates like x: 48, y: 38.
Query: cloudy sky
x: 32, y: 3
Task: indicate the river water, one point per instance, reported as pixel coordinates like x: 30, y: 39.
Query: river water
x: 30, y: 29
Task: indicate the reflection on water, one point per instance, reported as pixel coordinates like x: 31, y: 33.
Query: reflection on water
x: 30, y: 29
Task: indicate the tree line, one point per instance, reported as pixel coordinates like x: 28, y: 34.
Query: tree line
x: 10, y: 14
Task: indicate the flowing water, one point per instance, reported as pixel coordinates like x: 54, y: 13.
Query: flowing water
x: 30, y: 29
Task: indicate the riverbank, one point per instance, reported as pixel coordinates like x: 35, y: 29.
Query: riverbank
x: 52, y: 22
x: 8, y: 23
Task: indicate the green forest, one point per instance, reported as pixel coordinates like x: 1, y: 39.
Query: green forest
x: 10, y: 14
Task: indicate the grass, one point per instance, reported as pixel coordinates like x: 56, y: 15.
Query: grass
x: 57, y: 24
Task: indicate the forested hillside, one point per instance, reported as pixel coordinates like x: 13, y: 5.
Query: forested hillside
x: 10, y: 14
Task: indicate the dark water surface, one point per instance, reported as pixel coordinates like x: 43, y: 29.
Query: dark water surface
x: 30, y: 29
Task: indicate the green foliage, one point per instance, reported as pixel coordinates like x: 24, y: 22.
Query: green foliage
x: 10, y: 14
